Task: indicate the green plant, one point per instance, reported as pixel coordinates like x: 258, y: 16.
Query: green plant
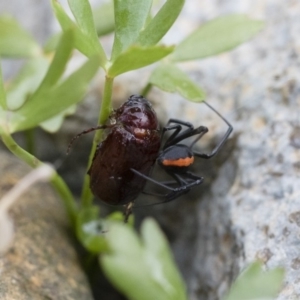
x: 40, y: 95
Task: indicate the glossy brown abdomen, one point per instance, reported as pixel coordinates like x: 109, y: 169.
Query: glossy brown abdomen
x: 111, y: 179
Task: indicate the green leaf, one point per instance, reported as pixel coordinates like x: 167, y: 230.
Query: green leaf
x: 82, y: 12
x: 219, y: 35
x: 130, y: 17
x: 91, y: 230
x: 15, y: 41
x: 52, y: 125
x: 256, y: 284
x: 137, y: 57
x: 3, y: 122
x: 140, y: 270
x: 104, y: 18
x: 119, y: 216
x: 59, y: 62
x: 26, y: 82
x: 169, y: 78
x: 162, y: 263
x: 83, y: 42
x: 50, y: 102
x: 33, y: 72
x: 52, y: 43
x: 161, y: 23
x: 3, y: 103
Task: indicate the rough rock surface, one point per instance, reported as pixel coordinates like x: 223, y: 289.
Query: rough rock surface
x: 42, y: 262
x: 252, y: 209
x: 247, y: 209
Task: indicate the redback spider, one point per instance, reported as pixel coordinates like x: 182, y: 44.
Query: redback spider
x: 123, y: 160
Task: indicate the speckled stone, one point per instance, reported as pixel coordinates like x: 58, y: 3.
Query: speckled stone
x: 248, y: 208
x: 257, y: 88
x: 42, y: 262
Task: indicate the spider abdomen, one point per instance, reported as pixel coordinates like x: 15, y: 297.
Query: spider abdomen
x: 178, y: 156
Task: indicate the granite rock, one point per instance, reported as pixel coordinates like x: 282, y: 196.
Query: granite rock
x: 42, y: 262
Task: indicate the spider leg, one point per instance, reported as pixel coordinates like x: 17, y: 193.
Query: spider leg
x: 222, y: 141
x: 200, y: 131
x: 151, y: 180
x: 175, y: 192
x: 178, y: 128
x: 185, y: 187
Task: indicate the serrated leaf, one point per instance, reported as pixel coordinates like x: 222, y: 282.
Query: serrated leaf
x: 83, y: 42
x: 161, y: 262
x: 130, y: 278
x: 15, y: 41
x: 3, y: 103
x: 59, y: 62
x: 219, y: 35
x: 161, y: 23
x: 130, y: 17
x: 171, y: 79
x: 52, y: 43
x: 52, y: 125
x: 104, y: 18
x: 50, y: 102
x: 26, y: 82
x: 138, y: 269
x: 119, y: 216
x: 255, y: 284
x: 91, y: 230
x: 3, y: 121
x: 32, y: 74
x: 137, y: 57
x: 82, y: 12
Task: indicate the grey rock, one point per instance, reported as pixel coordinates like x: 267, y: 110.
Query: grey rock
x: 247, y: 209
x: 42, y: 262
x: 251, y: 210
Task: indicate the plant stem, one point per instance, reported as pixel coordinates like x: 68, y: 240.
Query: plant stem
x: 29, y: 138
x: 57, y: 182
x: 106, y: 107
x: 146, y: 89
x: 3, y: 103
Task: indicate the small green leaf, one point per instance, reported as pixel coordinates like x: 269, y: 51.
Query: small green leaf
x: 161, y: 23
x: 91, y: 230
x: 59, y: 62
x: 104, y: 18
x: 161, y: 262
x: 33, y: 72
x: 256, y: 284
x: 82, y: 12
x: 52, y: 43
x: 140, y: 270
x: 26, y: 82
x: 118, y: 216
x: 3, y: 103
x: 52, y: 125
x: 50, y: 102
x: 130, y: 17
x: 15, y: 41
x: 83, y: 43
x: 169, y: 78
x: 219, y: 35
x: 137, y: 57
x: 3, y: 122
